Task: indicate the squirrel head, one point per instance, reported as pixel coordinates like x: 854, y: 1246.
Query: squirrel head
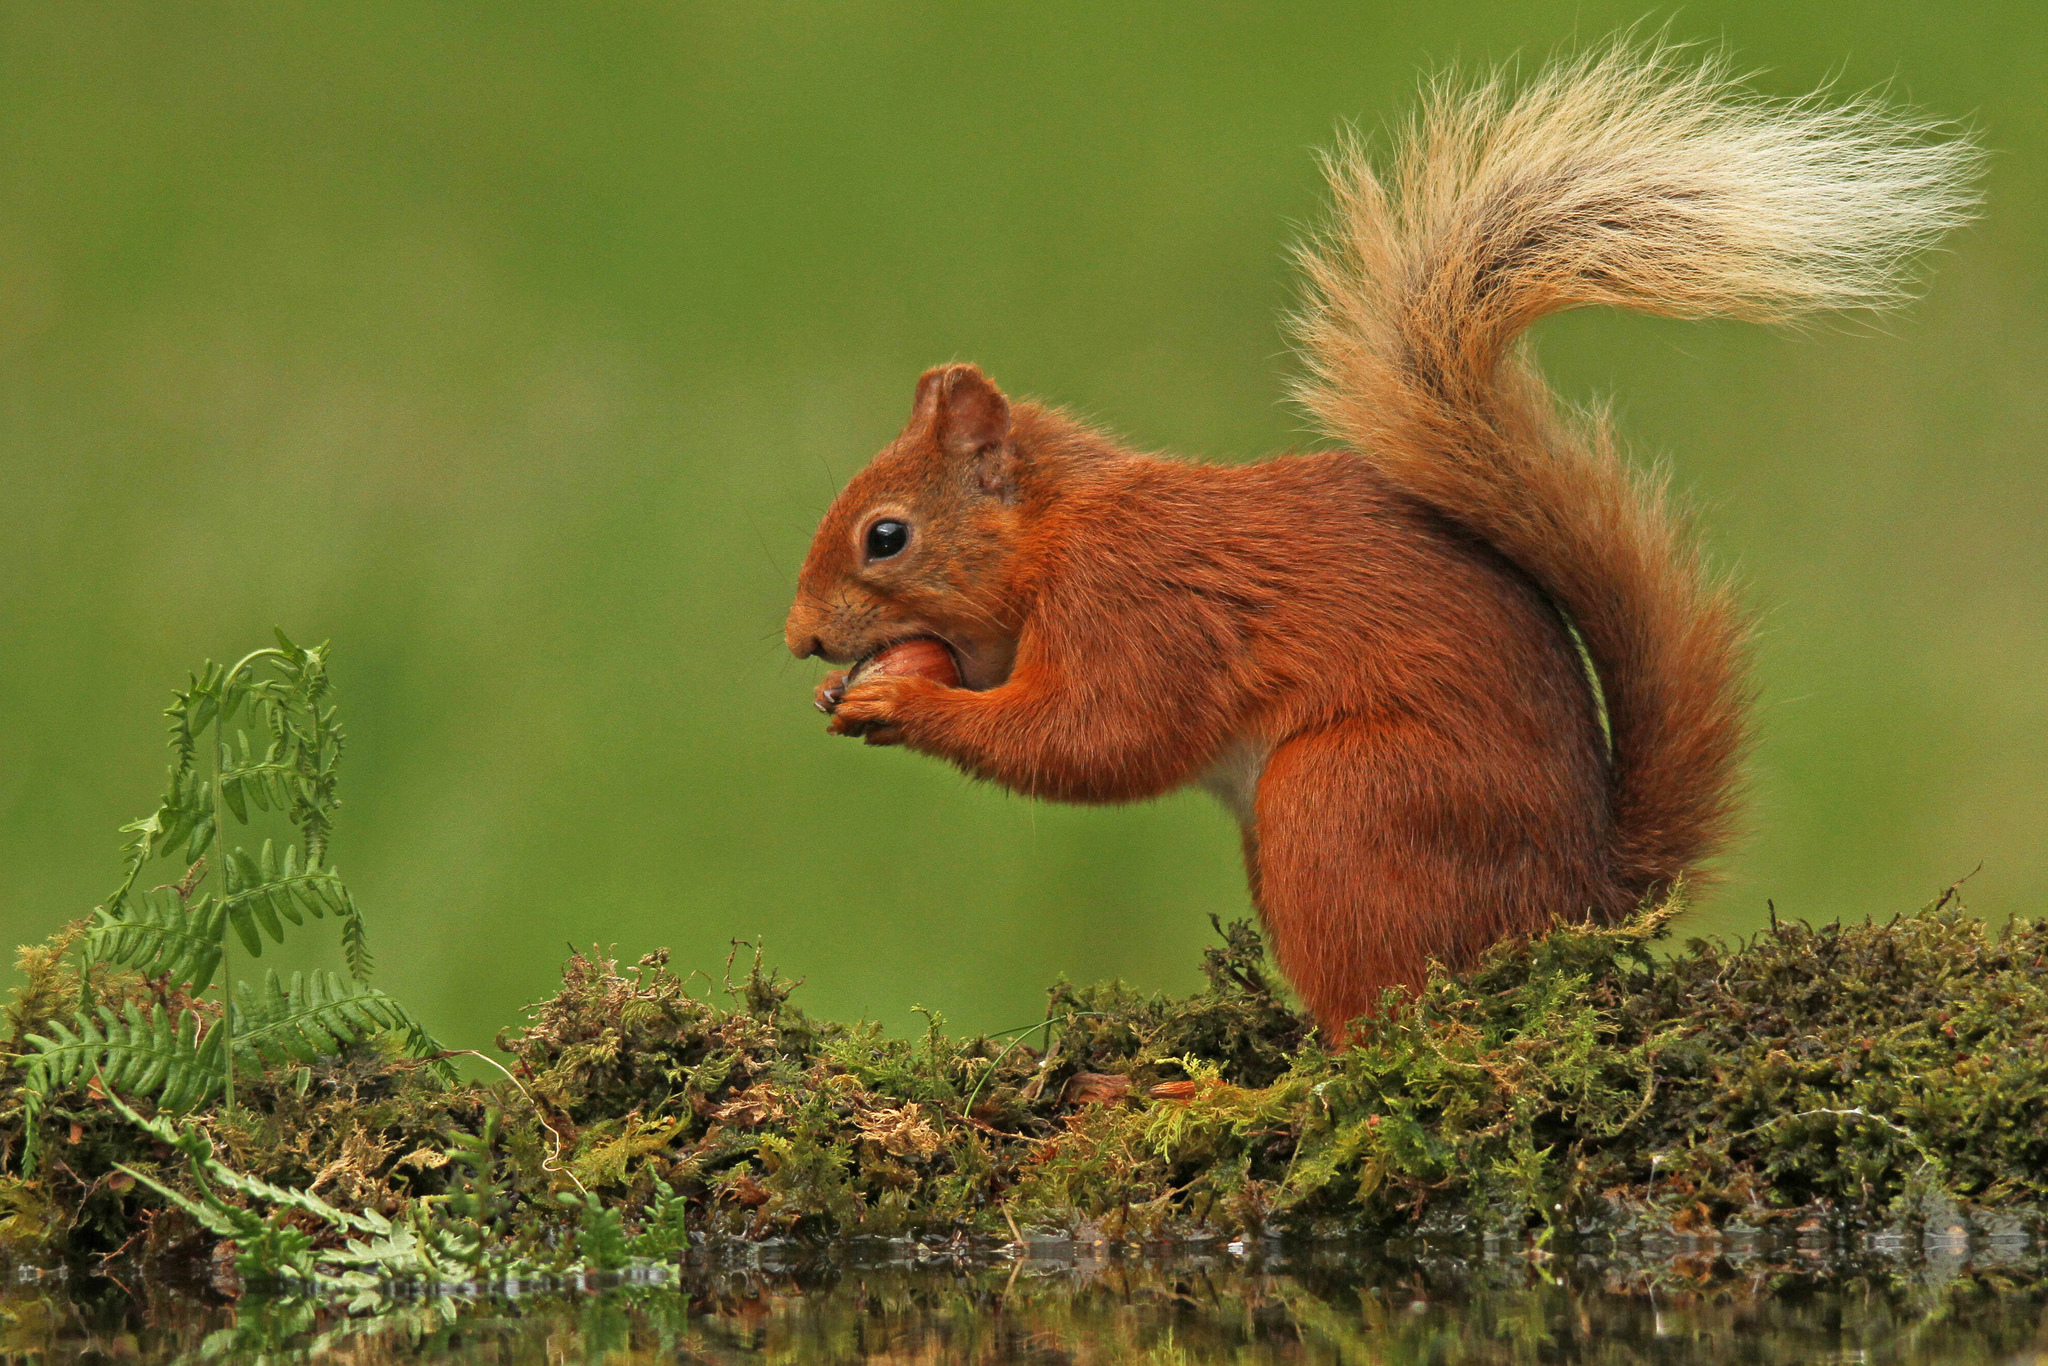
x: 923, y: 542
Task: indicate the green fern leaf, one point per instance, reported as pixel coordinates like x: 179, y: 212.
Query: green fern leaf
x: 161, y: 938
x: 185, y: 815
x: 153, y: 1052
x: 316, y: 1014
x: 210, y: 1172
x: 355, y: 943
x: 266, y: 890
x: 265, y: 782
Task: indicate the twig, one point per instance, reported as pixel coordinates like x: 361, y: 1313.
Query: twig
x: 991, y: 1130
x: 547, y: 1164
x: 1956, y: 886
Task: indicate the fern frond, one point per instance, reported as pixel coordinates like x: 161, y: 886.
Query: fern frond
x: 291, y: 768
x: 216, y: 1217
x: 153, y: 1052
x: 174, y: 1057
x: 373, y: 1250
x: 184, y: 815
x: 309, y: 733
x: 355, y: 943
x: 209, y: 1171
x: 266, y: 890
x: 161, y: 937
x: 313, y: 1014
x: 267, y: 781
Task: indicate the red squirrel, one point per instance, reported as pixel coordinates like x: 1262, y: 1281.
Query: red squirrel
x: 1466, y: 676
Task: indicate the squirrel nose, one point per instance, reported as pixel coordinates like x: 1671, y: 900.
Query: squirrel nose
x: 811, y: 651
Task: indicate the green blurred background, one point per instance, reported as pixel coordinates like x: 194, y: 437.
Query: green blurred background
x: 517, y: 347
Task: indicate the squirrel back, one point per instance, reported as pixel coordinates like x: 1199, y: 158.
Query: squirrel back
x: 1630, y: 179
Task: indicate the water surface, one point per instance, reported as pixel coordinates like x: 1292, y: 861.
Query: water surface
x: 1671, y: 1304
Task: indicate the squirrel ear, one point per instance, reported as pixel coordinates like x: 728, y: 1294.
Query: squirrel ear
x: 970, y: 420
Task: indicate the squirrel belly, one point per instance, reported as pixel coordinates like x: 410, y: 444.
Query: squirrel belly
x: 1464, y: 677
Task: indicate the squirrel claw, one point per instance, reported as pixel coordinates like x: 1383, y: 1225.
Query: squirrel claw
x: 830, y: 692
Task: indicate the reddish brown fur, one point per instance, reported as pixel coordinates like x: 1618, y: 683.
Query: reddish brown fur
x: 1365, y: 655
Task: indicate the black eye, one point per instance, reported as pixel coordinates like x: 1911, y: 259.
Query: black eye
x: 886, y: 538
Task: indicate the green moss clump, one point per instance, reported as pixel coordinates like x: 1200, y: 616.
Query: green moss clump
x: 1578, y: 1083
x: 1861, y: 1068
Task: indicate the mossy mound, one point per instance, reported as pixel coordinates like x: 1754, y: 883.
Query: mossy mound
x: 1870, y: 1075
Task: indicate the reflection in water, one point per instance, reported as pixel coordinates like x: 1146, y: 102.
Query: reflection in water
x: 1672, y: 1305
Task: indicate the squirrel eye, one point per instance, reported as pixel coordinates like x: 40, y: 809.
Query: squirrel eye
x: 887, y: 538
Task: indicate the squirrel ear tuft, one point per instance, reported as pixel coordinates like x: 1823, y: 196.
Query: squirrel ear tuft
x: 970, y: 420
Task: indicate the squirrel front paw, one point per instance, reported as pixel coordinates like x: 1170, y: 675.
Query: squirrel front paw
x: 829, y: 691
x: 875, y: 707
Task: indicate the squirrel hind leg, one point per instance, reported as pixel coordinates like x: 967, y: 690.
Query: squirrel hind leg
x: 1361, y: 885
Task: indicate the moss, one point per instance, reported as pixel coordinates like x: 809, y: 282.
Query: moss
x: 1576, y: 1084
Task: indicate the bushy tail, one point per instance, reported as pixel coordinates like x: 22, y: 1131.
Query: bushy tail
x: 1641, y: 179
